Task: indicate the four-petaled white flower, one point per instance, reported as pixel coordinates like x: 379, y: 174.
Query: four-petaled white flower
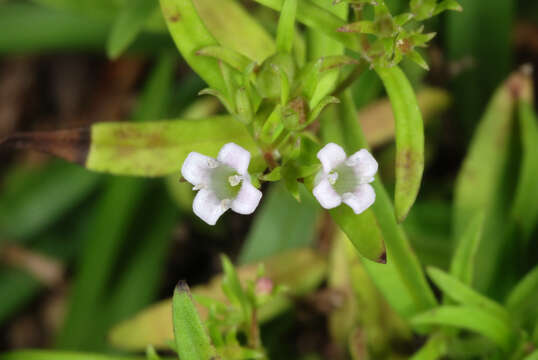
x: 223, y: 183
x: 345, y: 179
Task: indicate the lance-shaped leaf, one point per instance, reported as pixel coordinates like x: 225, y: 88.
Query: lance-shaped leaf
x: 143, y: 149
x: 522, y: 300
x: 317, y: 18
x: 464, y: 295
x: 129, y: 23
x: 190, y: 35
x: 470, y: 318
x: 286, y: 26
x: 192, y: 341
x: 481, y: 183
x: 229, y: 56
x: 409, y: 139
x: 525, y: 207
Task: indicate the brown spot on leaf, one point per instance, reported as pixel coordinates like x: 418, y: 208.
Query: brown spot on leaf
x: 383, y: 258
x: 175, y: 17
x: 71, y: 145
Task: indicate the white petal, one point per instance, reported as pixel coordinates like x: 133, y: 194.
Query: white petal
x: 197, y: 167
x: 247, y: 199
x: 361, y: 199
x: 331, y: 156
x: 208, y: 207
x: 327, y: 197
x: 235, y: 156
x: 364, y: 164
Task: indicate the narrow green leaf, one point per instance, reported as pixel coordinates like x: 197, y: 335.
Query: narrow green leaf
x: 447, y: 5
x: 229, y: 56
x: 522, y: 300
x: 236, y: 28
x: 60, y: 355
x: 192, y: 341
x: 318, y: 18
x: 190, y: 35
x: 480, y: 183
x: 525, y: 206
x: 463, y: 261
x: 230, y: 283
x: 286, y: 26
x: 159, y: 148
x: 461, y: 293
x: 469, y: 318
x: 128, y: 24
x: 409, y: 139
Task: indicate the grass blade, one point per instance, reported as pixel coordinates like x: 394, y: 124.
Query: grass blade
x: 409, y: 139
x: 522, y: 300
x: 469, y: 318
x: 60, y: 355
x: 286, y: 26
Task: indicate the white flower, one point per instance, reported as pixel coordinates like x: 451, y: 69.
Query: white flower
x: 345, y: 179
x: 223, y: 183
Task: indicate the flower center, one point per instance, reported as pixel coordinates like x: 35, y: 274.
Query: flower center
x: 225, y: 183
x: 343, y: 179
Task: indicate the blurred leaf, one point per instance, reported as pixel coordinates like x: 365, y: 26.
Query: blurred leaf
x: 286, y: 26
x: 522, y: 300
x: 281, y: 224
x: 465, y: 295
x: 470, y: 318
x: 60, y: 355
x: 230, y: 23
x: 18, y: 288
x: 525, y: 206
x: 463, y: 260
x: 533, y: 356
x: 128, y: 24
x: 192, y: 340
x: 38, y: 198
x: 97, y: 9
x: 316, y: 17
x: 409, y: 139
x: 479, y: 186
x: 301, y: 271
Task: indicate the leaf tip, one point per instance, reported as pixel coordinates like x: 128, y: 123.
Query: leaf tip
x: 183, y: 287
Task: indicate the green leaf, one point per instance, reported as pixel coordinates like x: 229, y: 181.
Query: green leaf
x: 190, y: 35
x: 159, y: 148
x: 463, y: 261
x: 522, y: 300
x: 192, y: 341
x: 481, y: 181
x: 235, y: 28
x: 231, y: 284
x: 60, y: 355
x: 286, y: 26
x: 525, y: 206
x: 316, y: 17
x: 469, y: 318
x: 229, y: 56
x: 532, y: 356
x: 128, y: 24
x: 461, y: 293
x: 447, y: 5
x: 409, y: 139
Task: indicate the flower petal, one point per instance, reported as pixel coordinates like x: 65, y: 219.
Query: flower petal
x: 247, y: 199
x: 331, y: 156
x: 361, y: 199
x: 364, y: 164
x: 208, y: 207
x: 326, y: 195
x: 197, y: 168
x: 235, y: 156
